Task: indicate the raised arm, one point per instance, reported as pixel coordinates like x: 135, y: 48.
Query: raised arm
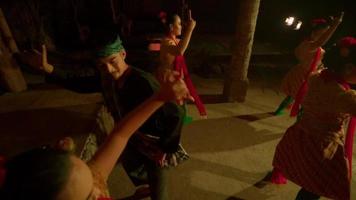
x: 179, y: 49
x: 183, y: 44
x: 109, y: 152
x: 324, y: 38
x: 83, y: 78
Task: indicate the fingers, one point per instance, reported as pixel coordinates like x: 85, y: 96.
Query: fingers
x: 190, y: 97
x: 340, y: 17
x: 170, y: 76
x: 173, y: 76
x: 174, y: 88
x: 44, y: 54
x: 36, y: 51
x: 173, y: 160
x: 177, y: 75
x: 190, y: 15
x: 180, y: 102
x: 162, y: 160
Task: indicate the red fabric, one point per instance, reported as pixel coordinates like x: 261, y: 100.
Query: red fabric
x: 2, y: 170
x: 327, y: 76
x: 181, y: 67
x: 304, y: 87
x: 347, y: 42
x: 162, y: 15
x: 278, y: 177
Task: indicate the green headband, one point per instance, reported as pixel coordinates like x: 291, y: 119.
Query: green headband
x: 111, y: 48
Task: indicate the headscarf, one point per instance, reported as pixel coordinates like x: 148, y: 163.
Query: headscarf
x: 111, y: 48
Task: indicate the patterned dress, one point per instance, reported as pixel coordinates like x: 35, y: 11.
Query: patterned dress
x: 311, y: 152
x: 305, y: 54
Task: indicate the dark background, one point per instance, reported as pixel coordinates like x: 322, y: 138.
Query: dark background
x: 61, y: 20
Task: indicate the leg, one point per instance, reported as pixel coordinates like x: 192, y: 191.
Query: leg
x: 300, y: 114
x: 157, y: 178
x: 199, y: 104
x: 133, y: 163
x: 285, y: 103
x: 305, y: 195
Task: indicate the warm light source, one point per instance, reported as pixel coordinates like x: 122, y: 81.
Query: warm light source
x: 293, y: 22
x: 299, y: 24
x: 289, y: 21
x: 154, y: 47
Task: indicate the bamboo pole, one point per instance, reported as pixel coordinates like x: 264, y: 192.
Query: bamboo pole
x: 9, y: 39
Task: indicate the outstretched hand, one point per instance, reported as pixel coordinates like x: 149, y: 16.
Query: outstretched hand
x: 37, y: 60
x: 338, y: 19
x: 191, y: 22
x: 173, y: 88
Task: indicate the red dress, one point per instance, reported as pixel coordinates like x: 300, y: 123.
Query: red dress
x: 177, y: 62
x: 311, y: 152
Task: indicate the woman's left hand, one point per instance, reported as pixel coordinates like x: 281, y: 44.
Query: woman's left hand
x: 173, y: 88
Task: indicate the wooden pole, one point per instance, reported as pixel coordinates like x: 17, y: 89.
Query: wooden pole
x: 10, y: 74
x: 7, y: 35
x: 236, y: 80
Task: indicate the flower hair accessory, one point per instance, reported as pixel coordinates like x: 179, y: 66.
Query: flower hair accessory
x: 162, y: 15
x: 347, y: 42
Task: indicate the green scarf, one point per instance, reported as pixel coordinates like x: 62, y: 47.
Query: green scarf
x: 111, y: 48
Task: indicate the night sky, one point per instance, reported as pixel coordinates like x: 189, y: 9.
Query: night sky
x: 270, y: 26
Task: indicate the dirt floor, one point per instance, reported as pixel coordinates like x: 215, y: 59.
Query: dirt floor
x: 230, y: 151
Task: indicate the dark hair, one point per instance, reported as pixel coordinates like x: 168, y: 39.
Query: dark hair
x: 314, y: 25
x: 317, y: 24
x: 337, y: 63
x: 37, y: 174
x: 103, y: 34
x: 169, y: 20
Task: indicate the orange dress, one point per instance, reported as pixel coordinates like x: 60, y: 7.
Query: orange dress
x: 292, y: 81
x: 311, y: 152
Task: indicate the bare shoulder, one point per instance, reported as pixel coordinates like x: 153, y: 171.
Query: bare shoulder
x: 168, y: 41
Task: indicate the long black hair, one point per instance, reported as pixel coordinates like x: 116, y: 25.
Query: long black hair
x: 103, y: 34
x: 315, y: 25
x: 40, y: 173
x: 167, y: 20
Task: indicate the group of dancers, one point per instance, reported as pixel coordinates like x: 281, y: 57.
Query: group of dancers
x: 315, y: 152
